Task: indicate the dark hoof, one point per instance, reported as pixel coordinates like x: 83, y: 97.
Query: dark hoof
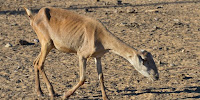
x: 67, y: 95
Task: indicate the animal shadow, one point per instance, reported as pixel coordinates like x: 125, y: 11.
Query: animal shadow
x: 192, y: 89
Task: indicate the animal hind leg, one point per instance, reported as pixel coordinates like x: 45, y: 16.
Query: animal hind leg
x: 37, y: 59
x: 39, y: 66
x: 37, y: 81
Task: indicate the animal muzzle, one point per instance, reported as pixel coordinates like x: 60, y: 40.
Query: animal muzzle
x: 154, y: 77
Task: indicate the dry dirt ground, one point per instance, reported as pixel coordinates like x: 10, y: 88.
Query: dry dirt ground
x: 170, y: 30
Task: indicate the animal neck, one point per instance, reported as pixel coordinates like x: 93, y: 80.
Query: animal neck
x: 118, y: 47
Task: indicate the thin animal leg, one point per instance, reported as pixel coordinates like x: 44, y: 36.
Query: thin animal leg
x: 45, y: 49
x: 82, y: 65
x: 37, y: 58
x: 37, y: 81
x: 100, y: 74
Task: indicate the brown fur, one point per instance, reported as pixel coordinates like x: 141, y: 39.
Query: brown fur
x: 73, y: 33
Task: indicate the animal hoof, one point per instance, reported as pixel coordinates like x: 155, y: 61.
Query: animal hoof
x: 105, y: 98
x: 67, y: 95
x: 39, y: 94
x: 51, y: 95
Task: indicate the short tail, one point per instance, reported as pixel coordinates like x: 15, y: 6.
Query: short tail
x: 29, y: 13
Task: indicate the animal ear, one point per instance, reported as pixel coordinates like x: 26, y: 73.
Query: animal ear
x: 143, y: 54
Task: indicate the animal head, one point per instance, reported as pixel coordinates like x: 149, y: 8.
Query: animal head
x: 144, y: 63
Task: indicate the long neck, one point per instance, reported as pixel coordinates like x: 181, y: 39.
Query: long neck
x: 117, y: 46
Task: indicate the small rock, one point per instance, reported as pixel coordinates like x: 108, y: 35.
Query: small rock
x: 159, y: 62
x: 123, y: 24
x: 178, y: 24
x: 181, y: 76
x: 24, y: 42
x: 176, y: 20
x: 160, y: 48
x: 156, y: 19
x: 54, y: 77
x: 156, y: 11
x: 183, y: 50
x: 119, y: 2
x: 155, y: 48
x: 152, y: 10
x: 116, y: 11
x: 36, y: 40
x: 159, y: 7
x: 166, y: 48
x: 151, y: 34
x: 173, y: 89
x: 130, y: 10
x: 148, y: 90
x: 15, y: 71
x: 172, y: 65
x: 86, y: 82
x: 87, y: 10
x: 156, y: 27
x: 187, y: 77
x: 8, y: 13
x: 14, y: 24
x: 18, y: 81
x: 8, y: 45
x: 18, y: 67
x: 136, y: 25
x: 7, y: 71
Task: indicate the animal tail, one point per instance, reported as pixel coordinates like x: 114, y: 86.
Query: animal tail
x: 29, y: 13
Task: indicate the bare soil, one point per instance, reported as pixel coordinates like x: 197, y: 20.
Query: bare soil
x: 170, y: 30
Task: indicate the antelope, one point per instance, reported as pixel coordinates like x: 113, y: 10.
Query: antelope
x: 88, y: 38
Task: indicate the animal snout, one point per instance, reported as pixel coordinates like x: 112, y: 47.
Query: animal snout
x: 156, y: 77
